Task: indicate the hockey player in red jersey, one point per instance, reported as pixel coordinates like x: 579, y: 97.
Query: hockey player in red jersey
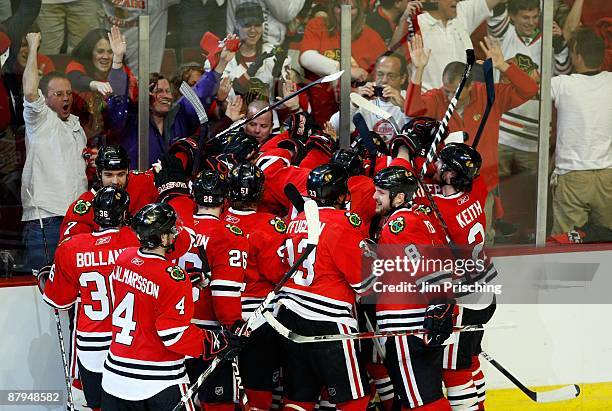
x: 82, y: 266
x: 265, y: 233
x: 461, y: 204
x: 152, y: 307
x: 112, y: 164
x: 319, y: 299
x: 414, y: 363
x: 220, y: 252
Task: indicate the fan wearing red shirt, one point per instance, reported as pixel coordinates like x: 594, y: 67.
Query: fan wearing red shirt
x: 462, y: 207
x: 152, y: 308
x: 83, y: 264
x: 112, y: 166
x: 320, y: 54
x: 414, y: 362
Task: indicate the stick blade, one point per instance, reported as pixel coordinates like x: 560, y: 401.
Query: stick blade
x: 294, y: 197
x: 332, y: 77
x: 191, y: 96
x: 367, y: 105
x: 489, y: 80
x: 561, y: 394
x: 312, y: 218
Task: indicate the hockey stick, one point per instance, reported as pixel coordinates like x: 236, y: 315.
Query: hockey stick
x: 303, y: 339
x: 449, y: 111
x: 58, y: 324
x: 560, y: 394
x: 364, y: 132
x: 191, y: 96
x: 238, y: 124
x: 314, y: 230
x: 294, y: 196
x: 489, y: 82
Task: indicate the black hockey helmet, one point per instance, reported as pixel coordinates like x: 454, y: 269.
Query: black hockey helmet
x: 351, y: 160
x: 152, y: 221
x: 396, y: 179
x: 112, y: 158
x: 463, y: 160
x: 110, y: 206
x: 424, y: 130
x: 326, y: 183
x: 246, y: 183
x: 241, y: 145
x: 210, y: 188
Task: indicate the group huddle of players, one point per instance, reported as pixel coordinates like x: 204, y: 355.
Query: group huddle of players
x: 165, y: 266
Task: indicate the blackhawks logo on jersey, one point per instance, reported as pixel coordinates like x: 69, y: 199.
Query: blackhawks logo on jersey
x: 354, y: 219
x: 176, y: 273
x: 234, y: 230
x: 423, y: 209
x: 81, y: 207
x: 397, y: 225
x: 279, y: 225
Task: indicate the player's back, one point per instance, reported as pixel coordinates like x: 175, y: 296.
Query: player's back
x: 225, y: 248
x: 325, y: 286
x: 83, y: 264
x: 149, y: 292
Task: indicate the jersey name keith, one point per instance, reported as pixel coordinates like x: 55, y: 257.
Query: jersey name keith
x: 468, y: 215
x: 97, y: 258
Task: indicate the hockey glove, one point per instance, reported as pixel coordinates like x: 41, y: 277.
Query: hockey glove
x: 439, y: 323
x: 42, y: 275
x: 221, y: 163
x: 221, y: 342
x: 322, y: 142
x: 408, y: 140
x: 296, y: 147
x: 185, y: 150
x: 198, y: 278
x: 280, y: 55
x: 301, y: 125
x: 171, y: 180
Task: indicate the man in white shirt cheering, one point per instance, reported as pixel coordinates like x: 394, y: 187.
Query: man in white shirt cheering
x: 583, y: 155
x: 54, y: 170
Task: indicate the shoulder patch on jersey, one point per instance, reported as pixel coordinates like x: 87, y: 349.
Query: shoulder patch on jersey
x: 397, y: 225
x: 279, y: 225
x: 234, y: 230
x: 176, y: 273
x: 353, y: 219
x: 423, y: 209
x: 81, y: 207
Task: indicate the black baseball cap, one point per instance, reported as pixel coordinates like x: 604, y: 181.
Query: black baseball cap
x: 249, y: 13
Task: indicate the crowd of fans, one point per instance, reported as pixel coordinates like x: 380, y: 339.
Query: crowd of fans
x: 69, y: 86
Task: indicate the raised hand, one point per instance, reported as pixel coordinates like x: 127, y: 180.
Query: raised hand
x: 411, y: 8
x: 224, y: 88
x: 234, y: 108
x: 492, y: 49
x: 33, y: 40
x: 117, y: 43
x: 226, y: 54
x: 418, y: 55
x: 101, y: 87
x: 288, y: 88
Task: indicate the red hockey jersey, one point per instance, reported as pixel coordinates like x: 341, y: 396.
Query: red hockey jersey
x: 265, y: 234
x: 79, y: 216
x: 410, y: 232
x: 324, y: 288
x: 80, y: 274
x: 225, y: 247
x: 151, y: 325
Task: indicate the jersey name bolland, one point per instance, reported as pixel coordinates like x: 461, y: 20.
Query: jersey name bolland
x: 97, y: 258
x: 135, y: 281
x: 468, y: 215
